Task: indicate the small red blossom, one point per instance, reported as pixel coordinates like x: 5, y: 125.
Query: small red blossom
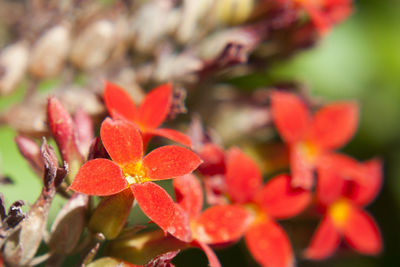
x: 325, y: 13
x: 149, y: 115
x: 129, y: 169
x: 343, y: 201
x: 311, y: 138
x: 216, y: 225
x: 266, y: 240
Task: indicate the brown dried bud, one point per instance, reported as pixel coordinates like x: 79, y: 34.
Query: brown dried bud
x: 154, y: 15
x: 50, y: 51
x: 111, y: 214
x: 22, y: 245
x: 93, y: 46
x: 13, y: 64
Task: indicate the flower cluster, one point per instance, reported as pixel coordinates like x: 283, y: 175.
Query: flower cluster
x: 211, y: 196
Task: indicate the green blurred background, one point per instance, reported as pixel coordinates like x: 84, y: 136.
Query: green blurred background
x: 359, y: 60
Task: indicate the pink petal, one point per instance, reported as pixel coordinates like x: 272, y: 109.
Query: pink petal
x: 243, y: 177
x: 122, y: 141
x: 161, y: 209
x: 335, y: 124
x: 280, y: 200
x: 170, y: 161
x: 222, y: 224
x: 324, y: 242
x: 290, y: 115
x: 189, y: 194
x: 155, y: 107
x: 269, y: 245
x: 99, y: 177
x: 119, y: 102
x: 362, y: 233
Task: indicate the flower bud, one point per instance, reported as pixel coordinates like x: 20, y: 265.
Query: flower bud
x: 13, y: 64
x: 31, y: 152
x: 93, y: 46
x: 84, y: 130
x: 111, y: 214
x: 68, y: 225
x: 63, y: 130
x: 143, y: 247
x: 48, y: 54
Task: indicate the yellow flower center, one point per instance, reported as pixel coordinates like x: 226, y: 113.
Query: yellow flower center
x: 339, y: 212
x: 309, y: 150
x: 135, y: 173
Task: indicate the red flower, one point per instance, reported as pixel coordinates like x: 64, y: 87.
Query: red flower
x: 265, y: 239
x: 343, y: 200
x: 216, y: 225
x: 311, y: 139
x: 325, y: 13
x: 129, y: 169
x: 149, y: 115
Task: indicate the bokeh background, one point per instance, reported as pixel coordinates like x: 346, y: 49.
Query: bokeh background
x: 359, y: 60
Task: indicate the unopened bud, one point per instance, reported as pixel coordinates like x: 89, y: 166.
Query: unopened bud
x: 31, y: 152
x: 84, y: 130
x: 143, y: 247
x: 63, y: 130
x: 49, y: 52
x: 13, y: 64
x: 93, y: 46
x: 68, y: 225
x: 111, y: 214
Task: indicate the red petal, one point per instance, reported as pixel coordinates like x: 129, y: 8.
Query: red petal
x: 214, y: 159
x: 346, y: 167
x: 269, y: 245
x: 302, y: 170
x: 243, y: 177
x: 170, y: 161
x: 155, y: 107
x: 99, y: 177
x: 212, y: 258
x: 362, y: 233
x: 173, y: 135
x: 161, y: 209
x: 324, y: 242
x: 222, y: 224
x: 122, y: 141
x: 335, y: 124
x: 290, y: 116
x: 189, y: 194
x: 330, y: 186
x: 119, y: 102
x: 364, y: 192
x: 280, y: 200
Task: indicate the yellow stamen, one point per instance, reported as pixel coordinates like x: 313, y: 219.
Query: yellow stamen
x: 135, y: 173
x: 339, y: 212
x: 309, y: 150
